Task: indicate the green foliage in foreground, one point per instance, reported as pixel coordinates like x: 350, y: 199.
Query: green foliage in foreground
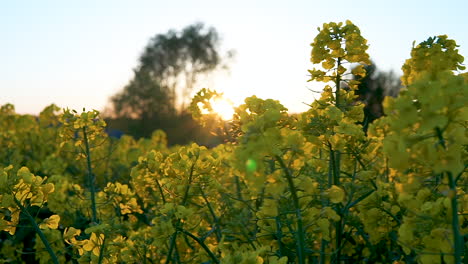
x: 312, y: 188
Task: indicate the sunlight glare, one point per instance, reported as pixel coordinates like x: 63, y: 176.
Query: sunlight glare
x: 223, y: 107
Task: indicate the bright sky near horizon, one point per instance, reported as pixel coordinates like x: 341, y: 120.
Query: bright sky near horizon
x: 79, y: 53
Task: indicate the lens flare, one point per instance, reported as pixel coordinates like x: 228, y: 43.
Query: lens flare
x: 251, y: 165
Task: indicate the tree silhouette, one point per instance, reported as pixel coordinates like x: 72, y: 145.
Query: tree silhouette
x: 372, y: 90
x: 170, y: 67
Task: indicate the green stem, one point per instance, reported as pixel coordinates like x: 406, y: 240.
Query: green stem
x: 338, y: 84
x: 300, y: 229
x: 91, y: 178
x: 177, y: 225
x: 161, y: 191
x: 201, y: 243
x: 323, y: 247
x: 101, y: 250
x: 338, y: 224
x: 238, y: 187
x: 335, y: 159
x: 38, y: 231
x: 338, y: 239
x: 212, y: 212
x: 457, y: 237
x: 335, y: 165
x: 330, y: 168
x: 279, y: 236
x: 186, y: 194
x: 172, y: 245
x: 176, y: 254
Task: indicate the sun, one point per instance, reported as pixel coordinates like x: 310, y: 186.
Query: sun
x: 223, y: 107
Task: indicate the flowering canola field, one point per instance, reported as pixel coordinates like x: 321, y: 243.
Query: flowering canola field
x: 308, y: 188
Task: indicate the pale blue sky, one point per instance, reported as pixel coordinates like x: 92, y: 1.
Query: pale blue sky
x: 78, y: 53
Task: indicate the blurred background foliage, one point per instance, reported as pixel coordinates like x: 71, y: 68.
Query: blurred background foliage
x: 174, y: 64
